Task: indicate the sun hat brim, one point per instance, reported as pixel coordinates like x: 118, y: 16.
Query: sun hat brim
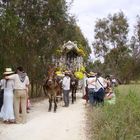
x: 8, y: 72
x: 92, y: 74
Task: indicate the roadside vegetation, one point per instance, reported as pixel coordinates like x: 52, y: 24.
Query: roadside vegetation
x: 120, y: 121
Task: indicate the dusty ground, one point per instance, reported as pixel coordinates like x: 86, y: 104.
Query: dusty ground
x: 65, y: 124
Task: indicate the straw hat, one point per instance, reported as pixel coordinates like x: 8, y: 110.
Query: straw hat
x: 92, y: 73
x: 8, y: 71
x: 67, y: 72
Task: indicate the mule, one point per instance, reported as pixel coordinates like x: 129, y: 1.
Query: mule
x: 52, y: 89
x: 73, y: 87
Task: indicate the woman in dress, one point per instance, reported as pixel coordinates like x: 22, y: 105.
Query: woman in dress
x: 7, y: 111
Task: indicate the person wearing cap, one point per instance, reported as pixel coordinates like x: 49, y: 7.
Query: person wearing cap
x: 91, y: 85
x: 21, y: 83
x: 7, y: 110
x: 66, y: 88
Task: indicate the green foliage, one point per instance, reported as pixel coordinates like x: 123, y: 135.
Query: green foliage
x: 31, y: 32
x: 110, y: 32
x: 8, y: 35
x: 120, y: 121
x: 96, y: 66
x: 111, y: 42
x: 134, y: 45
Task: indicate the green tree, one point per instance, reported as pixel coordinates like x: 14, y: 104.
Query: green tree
x: 111, y: 42
x: 135, y: 50
x: 31, y: 32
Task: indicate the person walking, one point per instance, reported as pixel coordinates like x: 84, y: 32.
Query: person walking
x: 21, y: 82
x: 7, y: 110
x: 85, y: 89
x: 66, y: 88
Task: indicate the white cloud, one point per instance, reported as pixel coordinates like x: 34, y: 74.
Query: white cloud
x: 88, y: 11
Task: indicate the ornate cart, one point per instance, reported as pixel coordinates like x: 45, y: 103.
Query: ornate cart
x: 71, y: 57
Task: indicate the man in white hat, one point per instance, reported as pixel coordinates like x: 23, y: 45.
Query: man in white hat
x: 66, y: 88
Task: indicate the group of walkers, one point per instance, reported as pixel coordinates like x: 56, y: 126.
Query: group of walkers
x: 98, y: 89
x: 14, y: 87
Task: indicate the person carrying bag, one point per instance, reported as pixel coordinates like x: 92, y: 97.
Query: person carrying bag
x: 100, y: 91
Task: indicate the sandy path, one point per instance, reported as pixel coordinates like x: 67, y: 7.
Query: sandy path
x: 65, y: 124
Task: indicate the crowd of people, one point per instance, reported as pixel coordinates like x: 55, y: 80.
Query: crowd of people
x: 98, y: 89
x: 14, y: 87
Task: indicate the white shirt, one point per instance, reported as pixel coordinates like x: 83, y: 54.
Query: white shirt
x: 66, y: 83
x: 2, y: 83
x: 9, y: 84
x: 114, y: 80
x: 91, y: 82
x: 17, y: 83
x: 85, y: 80
x: 100, y: 83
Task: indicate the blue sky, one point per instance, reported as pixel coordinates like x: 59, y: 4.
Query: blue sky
x: 88, y: 11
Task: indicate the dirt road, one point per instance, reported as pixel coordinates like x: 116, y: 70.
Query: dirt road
x: 65, y: 124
